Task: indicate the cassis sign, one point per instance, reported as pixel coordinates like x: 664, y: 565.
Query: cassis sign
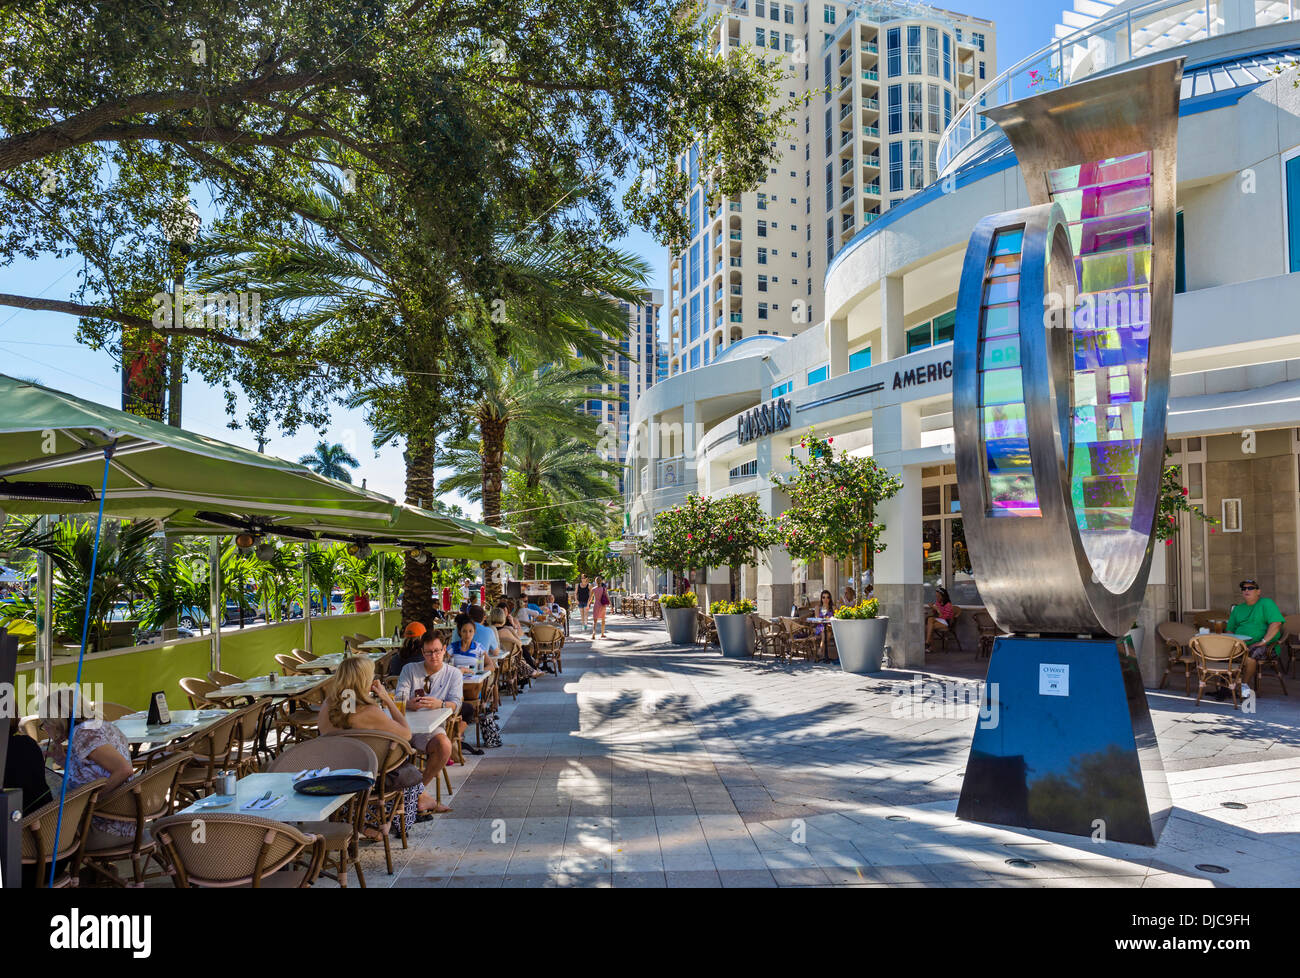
x: 763, y: 420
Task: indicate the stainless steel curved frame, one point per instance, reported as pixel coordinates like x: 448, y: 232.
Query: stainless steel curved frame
x: 1044, y: 573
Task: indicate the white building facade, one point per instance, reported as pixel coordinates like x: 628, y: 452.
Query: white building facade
x: 876, y: 371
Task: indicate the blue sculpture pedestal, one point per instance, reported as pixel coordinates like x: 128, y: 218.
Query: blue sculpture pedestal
x: 1067, y: 745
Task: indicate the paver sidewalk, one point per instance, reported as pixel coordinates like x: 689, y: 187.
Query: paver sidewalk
x: 649, y: 765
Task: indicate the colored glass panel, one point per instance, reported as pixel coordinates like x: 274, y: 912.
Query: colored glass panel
x: 1108, y: 207
x: 1003, y: 421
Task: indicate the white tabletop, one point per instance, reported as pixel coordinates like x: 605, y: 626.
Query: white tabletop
x: 381, y: 643
x: 426, y: 721
x: 474, y: 678
x: 295, y: 807
x: 282, y: 686
x: 184, y: 723
x: 332, y: 661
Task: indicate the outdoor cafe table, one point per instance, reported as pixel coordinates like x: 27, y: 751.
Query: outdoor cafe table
x: 329, y: 663
x: 382, y: 643
x: 184, y: 723
x: 260, y: 686
x: 427, y: 721
x: 296, y: 807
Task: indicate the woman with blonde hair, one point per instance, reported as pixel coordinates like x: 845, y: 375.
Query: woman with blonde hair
x: 356, y: 700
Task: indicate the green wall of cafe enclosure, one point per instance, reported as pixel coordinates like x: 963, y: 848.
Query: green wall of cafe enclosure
x: 130, y: 676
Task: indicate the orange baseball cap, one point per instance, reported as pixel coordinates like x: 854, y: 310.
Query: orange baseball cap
x: 413, y: 630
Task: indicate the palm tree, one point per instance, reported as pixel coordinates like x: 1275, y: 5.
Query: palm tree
x: 354, y: 274
x: 331, y: 461
x: 567, y: 468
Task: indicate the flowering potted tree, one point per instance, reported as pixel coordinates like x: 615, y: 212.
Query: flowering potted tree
x: 834, y: 500
x: 679, y: 540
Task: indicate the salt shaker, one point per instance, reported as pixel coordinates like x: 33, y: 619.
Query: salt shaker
x: 227, y: 783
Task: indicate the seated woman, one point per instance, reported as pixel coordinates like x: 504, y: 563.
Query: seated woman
x: 825, y: 611
x: 356, y: 700
x: 850, y: 596
x: 412, y: 642
x: 465, y: 650
x: 510, y: 641
x: 25, y: 769
x: 943, y: 616
x: 99, y: 750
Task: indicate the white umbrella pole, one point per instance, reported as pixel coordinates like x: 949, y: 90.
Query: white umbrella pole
x: 215, y: 608
x: 306, y: 599
x: 45, y: 610
x: 383, y: 630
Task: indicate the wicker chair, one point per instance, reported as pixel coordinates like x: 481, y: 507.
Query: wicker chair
x: 197, y: 690
x: 298, y: 716
x: 944, y: 634
x: 548, y: 641
x: 988, y: 631
x: 386, y: 801
x: 211, y: 749
x: 289, y: 665
x: 302, y: 655
x: 39, y: 829
x: 143, y: 798
x: 234, y: 849
x: 1291, y: 639
x: 801, y: 640
x: 764, y: 641
x: 343, y: 834
x: 107, y: 711
x: 223, y: 678
x: 706, y: 630
x: 482, y: 701
x: 1177, y: 638
x: 1218, y: 659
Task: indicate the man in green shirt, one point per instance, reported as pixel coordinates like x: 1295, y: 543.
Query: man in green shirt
x: 1259, y: 619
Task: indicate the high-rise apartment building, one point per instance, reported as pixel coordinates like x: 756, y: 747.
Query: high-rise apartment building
x: 638, y: 368
x: 885, y: 80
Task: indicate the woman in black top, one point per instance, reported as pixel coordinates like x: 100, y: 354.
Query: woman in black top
x: 25, y: 769
x: 412, y: 650
x: 584, y: 598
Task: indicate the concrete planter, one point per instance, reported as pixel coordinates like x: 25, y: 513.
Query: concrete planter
x: 860, y: 643
x: 735, y: 635
x: 681, y: 625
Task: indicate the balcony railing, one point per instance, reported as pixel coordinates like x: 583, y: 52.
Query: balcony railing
x: 735, y: 261
x: 871, y: 76
x: 735, y: 317
x: 871, y: 132
x: 733, y: 205
x: 871, y: 103
x: 869, y: 47
x: 734, y: 235
x: 846, y: 136
x: 1122, y: 36
x: 735, y: 290
x: 846, y: 165
x: 872, y: 188
x: 872, y: 160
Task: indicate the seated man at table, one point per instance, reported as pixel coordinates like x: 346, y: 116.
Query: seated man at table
x: 526, y: 613
x: 430, y: 685
x: 1258, y: 619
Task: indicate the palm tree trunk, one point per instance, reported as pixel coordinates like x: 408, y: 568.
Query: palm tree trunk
x: 492, y: 435
x: 417, y: 580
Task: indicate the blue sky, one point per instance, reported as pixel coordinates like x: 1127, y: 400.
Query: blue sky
x: 42, y: 346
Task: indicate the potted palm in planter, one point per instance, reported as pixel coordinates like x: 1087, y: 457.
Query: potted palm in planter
x: 735, y: 628
x: 679, y: 617
x: 860, y: 636
x: 834, y: 500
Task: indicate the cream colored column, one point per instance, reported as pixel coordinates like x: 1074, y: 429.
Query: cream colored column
x: 837, y: 343
x: 893, y: 338
x: 899, y: 574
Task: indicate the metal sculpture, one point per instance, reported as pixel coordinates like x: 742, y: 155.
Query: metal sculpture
x: 1061, y: 380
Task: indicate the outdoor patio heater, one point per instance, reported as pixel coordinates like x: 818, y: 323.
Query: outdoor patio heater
x: 1061, y: 382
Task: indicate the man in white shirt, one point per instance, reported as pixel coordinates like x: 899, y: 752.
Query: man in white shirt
x: 428, y: 685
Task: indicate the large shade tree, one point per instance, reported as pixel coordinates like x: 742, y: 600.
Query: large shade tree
x: 471, y: 112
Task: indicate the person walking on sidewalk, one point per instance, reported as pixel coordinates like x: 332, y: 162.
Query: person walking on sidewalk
x: 599, y: 605
x: 584, y: 598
